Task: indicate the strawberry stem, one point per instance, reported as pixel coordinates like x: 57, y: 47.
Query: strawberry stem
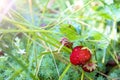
x: 82, y: 76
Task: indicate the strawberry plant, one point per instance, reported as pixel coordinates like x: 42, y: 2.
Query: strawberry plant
x: 59, y: 40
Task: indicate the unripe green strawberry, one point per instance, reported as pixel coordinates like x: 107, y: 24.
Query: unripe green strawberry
x: 80, y: 55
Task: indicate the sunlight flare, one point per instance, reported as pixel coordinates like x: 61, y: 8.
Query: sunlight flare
x: 5, y: 5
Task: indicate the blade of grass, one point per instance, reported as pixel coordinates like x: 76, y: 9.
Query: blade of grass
x: 18, y: 16
x: 26, y: 25
x: 31, y: 11
x: 54, y: 61
x: 15, y: 74
x: 53, y: 42
x: 38, y: 66
x: 26, y: 30
x: 62, y: 20
x: 64, y: 72
x: 56, y: 42
x: 104, y: 55
x: 45, y: 8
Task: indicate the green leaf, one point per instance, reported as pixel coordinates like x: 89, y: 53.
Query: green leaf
x: 69, y: 31
x: 105, y: 15
x: 96, y: 35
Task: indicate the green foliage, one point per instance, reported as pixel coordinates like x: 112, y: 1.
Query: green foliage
x: 69, y: 31
x: 100, y: 78
x: 30, y: 33
x: 115, y: 73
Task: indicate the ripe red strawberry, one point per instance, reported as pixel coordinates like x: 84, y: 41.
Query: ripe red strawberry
x: 80, y: 55
x: 89, y: 67
x: 66, y: 42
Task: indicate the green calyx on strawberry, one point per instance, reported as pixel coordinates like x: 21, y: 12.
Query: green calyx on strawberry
x: 89, y: 67
x: 80, y: 55
x: 66, y: 42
